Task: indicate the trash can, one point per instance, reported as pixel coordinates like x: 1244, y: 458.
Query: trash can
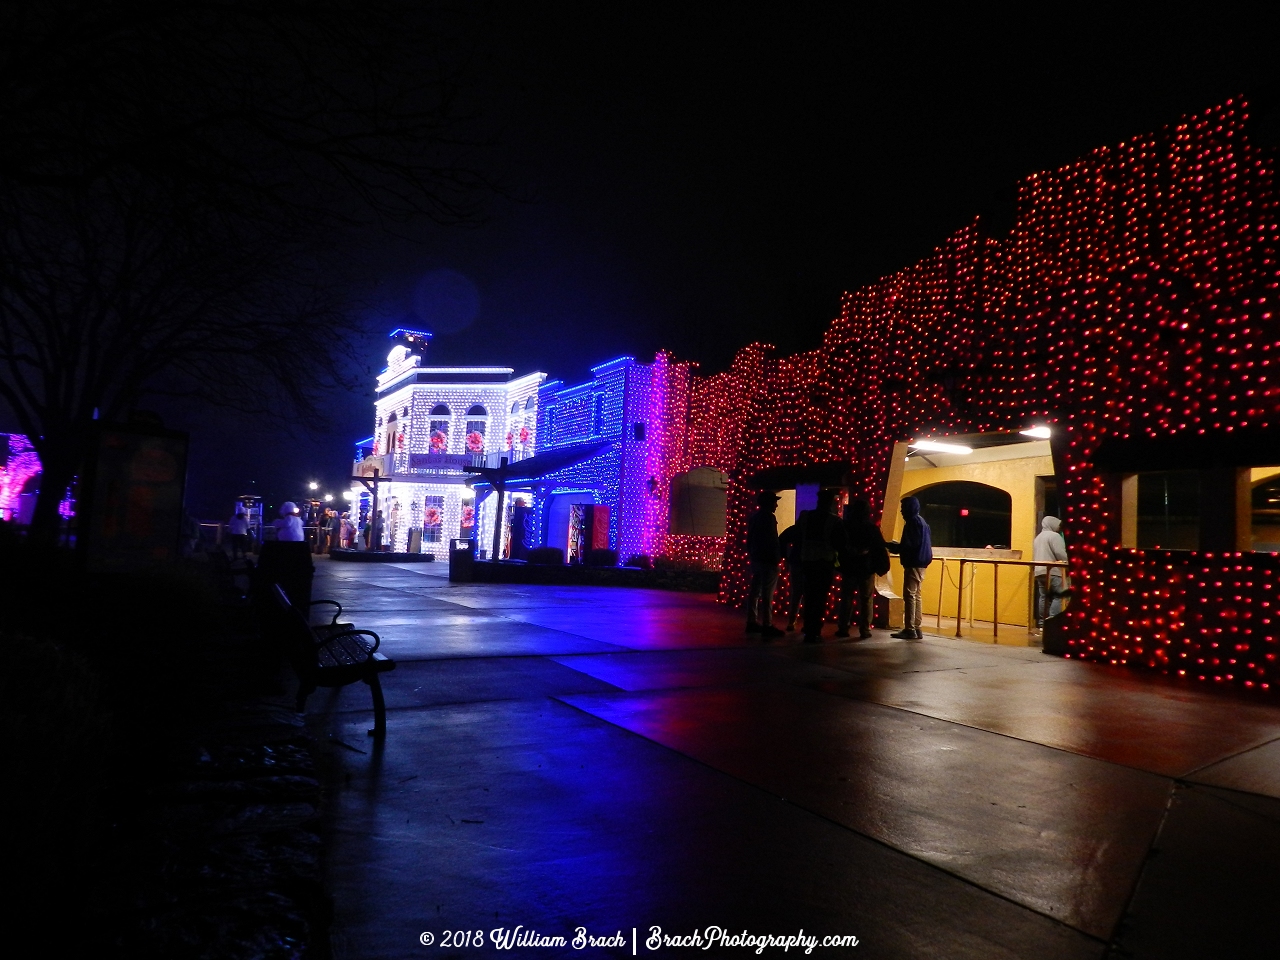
x: 289, y: 564
x: 462, y: 559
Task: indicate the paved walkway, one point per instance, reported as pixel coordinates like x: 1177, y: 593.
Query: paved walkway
x: 617, y: 759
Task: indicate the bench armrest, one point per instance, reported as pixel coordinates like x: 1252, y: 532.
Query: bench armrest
x: 335, y: 603
x: 377, y: 641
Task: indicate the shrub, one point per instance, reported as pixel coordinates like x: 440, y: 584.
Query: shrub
x: 640, y: 560
x: 547, y: 556
x: 602, y: 558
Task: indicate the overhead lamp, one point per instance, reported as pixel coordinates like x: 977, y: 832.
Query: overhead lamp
x: 936, y: 446
x: 348, y: 494
x: 328, y: 498
x: 1037, y: 433
x: 313, y: 485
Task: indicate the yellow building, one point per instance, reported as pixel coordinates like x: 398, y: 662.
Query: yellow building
x: 984, y: 504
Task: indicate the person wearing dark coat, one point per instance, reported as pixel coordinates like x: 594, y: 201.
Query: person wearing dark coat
x: 763, y: 554
x: 864, y: 556
x: 915, y: 550
x: 821, y: 542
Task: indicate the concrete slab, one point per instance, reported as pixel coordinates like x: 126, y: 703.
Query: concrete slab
x: 669, y: 669
x: 1210, y: 886
x: 1089, y: 709
x: 534, y: 814
x: 427, y: 683
x: 1254, y: 771
x: 1061, y: 834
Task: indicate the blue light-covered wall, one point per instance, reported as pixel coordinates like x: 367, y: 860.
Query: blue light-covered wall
x: 609, y: 407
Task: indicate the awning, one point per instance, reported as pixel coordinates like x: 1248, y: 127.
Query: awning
x: 527, y: 472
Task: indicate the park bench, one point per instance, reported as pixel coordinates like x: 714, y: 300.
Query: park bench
x: 331, y: 655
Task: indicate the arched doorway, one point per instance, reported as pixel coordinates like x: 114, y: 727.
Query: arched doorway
x: 963, y: 513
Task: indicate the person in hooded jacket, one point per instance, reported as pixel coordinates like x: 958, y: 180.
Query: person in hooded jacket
x: 915, y: 550
x: 289, y: 526
x: 1049, y: 544
x: 864, y: 556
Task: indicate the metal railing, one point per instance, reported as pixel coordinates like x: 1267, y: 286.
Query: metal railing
x: 995, y: 589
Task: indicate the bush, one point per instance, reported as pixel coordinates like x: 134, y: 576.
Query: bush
x: 547, y: 556
x: 602, y: 558
x: 640, y: 560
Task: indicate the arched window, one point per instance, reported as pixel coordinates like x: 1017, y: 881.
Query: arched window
x: 531, y: 402
x: 438, y: 434
x: 515, y: 407
x: 477, y: 411
x: 961, y: 513
x: 699, y: 502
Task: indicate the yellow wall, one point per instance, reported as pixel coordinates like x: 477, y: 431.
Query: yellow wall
x: 1018, y: 479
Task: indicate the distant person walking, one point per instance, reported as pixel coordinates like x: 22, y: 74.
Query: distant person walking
x: 289, y: 526
x: 238, y: 530
x: 915, y: 550
x: 1049, y: 544
x: 821, y: 542
x: 865, y: 555
x: 763, y: 554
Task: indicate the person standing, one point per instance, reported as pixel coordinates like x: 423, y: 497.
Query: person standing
x: 763, y: 554
x: 821, y: 542
x: 289, y: 526
x: 789, y: 545
x: 915, y: 550
x: 865, y: 555
x: 335, y: 531
x: 1049, y: 544
x: 238, y: 530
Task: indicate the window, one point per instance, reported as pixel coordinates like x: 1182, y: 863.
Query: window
x: 441, y: 410
x: 1169, y: 510
x: 698, y: 503
x: 962, y: 513
x: 432, y: 519
x: 477, y: 411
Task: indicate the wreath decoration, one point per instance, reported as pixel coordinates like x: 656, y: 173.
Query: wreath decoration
x: 475, y: 441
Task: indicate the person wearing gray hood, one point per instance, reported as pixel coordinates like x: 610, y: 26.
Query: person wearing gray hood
x: 915, y: 550
x: 1049, y: 544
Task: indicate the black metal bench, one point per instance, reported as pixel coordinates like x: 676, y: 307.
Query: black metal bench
x: 332, y: 655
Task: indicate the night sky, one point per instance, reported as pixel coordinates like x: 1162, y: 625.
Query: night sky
x: 697, y: 179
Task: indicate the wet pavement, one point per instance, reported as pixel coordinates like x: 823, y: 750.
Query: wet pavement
x: 620, y: 759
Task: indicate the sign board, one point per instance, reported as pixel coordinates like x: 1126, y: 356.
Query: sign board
x: 368, y: 465
x: 439, y: 462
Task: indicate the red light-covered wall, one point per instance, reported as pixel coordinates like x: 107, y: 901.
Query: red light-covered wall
x: 1132, y: 301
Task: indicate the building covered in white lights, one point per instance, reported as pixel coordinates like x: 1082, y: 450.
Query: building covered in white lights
x: 430, y: 423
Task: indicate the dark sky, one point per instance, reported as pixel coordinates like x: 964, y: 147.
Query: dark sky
x: 696, y: 179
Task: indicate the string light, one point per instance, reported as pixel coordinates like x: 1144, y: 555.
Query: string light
x: 1134, y: 298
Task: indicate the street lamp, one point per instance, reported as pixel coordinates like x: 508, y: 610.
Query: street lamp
x: 328, y: 498
x: 313, y: 485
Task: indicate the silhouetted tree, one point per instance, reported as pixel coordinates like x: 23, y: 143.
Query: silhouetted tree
x: 179, y: 187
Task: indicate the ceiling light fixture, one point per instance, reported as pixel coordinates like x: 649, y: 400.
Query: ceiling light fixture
x: 935, y: 446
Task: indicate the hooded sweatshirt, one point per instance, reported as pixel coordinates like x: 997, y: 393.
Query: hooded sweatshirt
x: 1049, y: 545
x: 915, y: 549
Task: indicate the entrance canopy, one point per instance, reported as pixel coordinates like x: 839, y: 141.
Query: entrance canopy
x: 527, y: 473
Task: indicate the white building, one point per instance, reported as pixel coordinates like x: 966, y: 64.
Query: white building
x: 430, y: 423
